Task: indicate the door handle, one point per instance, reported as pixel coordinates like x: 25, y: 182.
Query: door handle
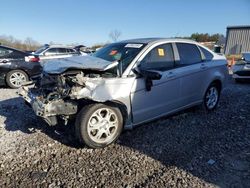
x: 170, y: 75
x: 203, y: 66
x: 4, y: 61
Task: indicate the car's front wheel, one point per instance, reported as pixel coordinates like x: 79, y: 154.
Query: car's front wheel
x: 16, y: 78
x: 211, y: 98
x: 99, y: 125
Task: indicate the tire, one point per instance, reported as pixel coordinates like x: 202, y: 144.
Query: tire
x: 94, y: 129
x: 15, y: 78
x: 212, y: 97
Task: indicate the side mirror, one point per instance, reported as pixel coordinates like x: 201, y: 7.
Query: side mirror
x: 149, y: 76
x: 136, y: 71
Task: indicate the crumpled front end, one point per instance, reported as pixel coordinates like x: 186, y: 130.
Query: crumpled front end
x: 48, y: 109
x: 59, y: 96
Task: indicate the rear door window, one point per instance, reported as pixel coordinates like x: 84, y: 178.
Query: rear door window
x: 160, y: 58
x: 62, y: 51
x: 189, y: 54
x: 51, y: 52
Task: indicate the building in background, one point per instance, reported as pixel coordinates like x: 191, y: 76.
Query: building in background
x: 237, y: 40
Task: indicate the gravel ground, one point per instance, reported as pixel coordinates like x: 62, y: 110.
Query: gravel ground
x: 188, y: 149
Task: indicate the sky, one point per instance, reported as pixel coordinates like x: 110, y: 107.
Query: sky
x: 89, y: 22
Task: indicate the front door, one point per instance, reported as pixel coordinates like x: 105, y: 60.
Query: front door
x: 164, y: 94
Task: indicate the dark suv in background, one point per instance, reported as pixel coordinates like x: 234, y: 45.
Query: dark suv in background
x: 14, y: 70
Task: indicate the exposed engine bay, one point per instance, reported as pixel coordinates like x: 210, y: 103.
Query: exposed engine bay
x: 57, y: 95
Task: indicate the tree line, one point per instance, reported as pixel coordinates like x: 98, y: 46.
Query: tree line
x: 205, y: 37
x: 26, y: 45
x: 30, y: 44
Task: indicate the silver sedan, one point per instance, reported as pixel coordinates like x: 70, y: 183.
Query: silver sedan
x: 126, y: 84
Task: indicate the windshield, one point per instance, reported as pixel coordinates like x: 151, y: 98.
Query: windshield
x: 124, y: 53
x: 40, y: 50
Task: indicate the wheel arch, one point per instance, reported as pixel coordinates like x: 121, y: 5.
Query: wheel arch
x: 218, y: 83
x: 113, y: 103
x: 122, y: 107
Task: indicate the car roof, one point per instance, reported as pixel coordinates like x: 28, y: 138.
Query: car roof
x: 60, y: 46
x: 155, y: 40
x: 246, y: 53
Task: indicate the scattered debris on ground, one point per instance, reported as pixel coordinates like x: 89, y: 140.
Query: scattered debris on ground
x: 189, y: 149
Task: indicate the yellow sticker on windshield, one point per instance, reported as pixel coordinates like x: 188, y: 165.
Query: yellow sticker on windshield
x: 161, y: 52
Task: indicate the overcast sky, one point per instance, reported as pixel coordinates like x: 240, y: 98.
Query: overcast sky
x: 90, y: 21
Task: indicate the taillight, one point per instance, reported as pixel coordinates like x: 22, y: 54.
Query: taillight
x: 34, y: 59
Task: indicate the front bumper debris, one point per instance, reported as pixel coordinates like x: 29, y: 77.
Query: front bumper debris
x: 49, y: 110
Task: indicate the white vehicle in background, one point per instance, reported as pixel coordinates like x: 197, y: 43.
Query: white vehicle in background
x: 48, y: 52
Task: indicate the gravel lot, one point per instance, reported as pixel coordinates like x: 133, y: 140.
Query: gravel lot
x: 189, y: 149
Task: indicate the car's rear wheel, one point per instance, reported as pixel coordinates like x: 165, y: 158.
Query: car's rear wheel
x: 99, y: 125
x: 16, y: 78
x: 211, y: 98
x: 238, y: 80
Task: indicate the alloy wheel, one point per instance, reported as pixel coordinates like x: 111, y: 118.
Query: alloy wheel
x: 103, y: 125
x: 212, y: 97
x: 17, y: 78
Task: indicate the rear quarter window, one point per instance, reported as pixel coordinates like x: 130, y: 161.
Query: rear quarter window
x: 208, y: 55
x: 71, y: 51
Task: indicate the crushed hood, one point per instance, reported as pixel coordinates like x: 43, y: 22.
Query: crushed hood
x: 58, y: 66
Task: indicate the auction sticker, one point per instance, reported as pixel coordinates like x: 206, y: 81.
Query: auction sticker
x: 133, y: 45
x: 161, y: 52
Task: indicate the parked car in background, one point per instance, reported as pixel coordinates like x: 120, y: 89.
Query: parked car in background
x: 14, y: 70
x: 125, y: 84
x: 87, y: 51
x: 48, y: 52
x: 241, y: 69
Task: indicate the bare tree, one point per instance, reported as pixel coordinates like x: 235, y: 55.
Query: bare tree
x: 28, y: 44
x: 115, y: 34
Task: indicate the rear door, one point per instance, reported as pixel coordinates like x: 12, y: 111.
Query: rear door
x: 64, y: 53
x: 194, y: 73
x: 164, y: 94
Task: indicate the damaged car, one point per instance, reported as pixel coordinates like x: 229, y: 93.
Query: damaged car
x: 241, y: 70
x: 125, y: 84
